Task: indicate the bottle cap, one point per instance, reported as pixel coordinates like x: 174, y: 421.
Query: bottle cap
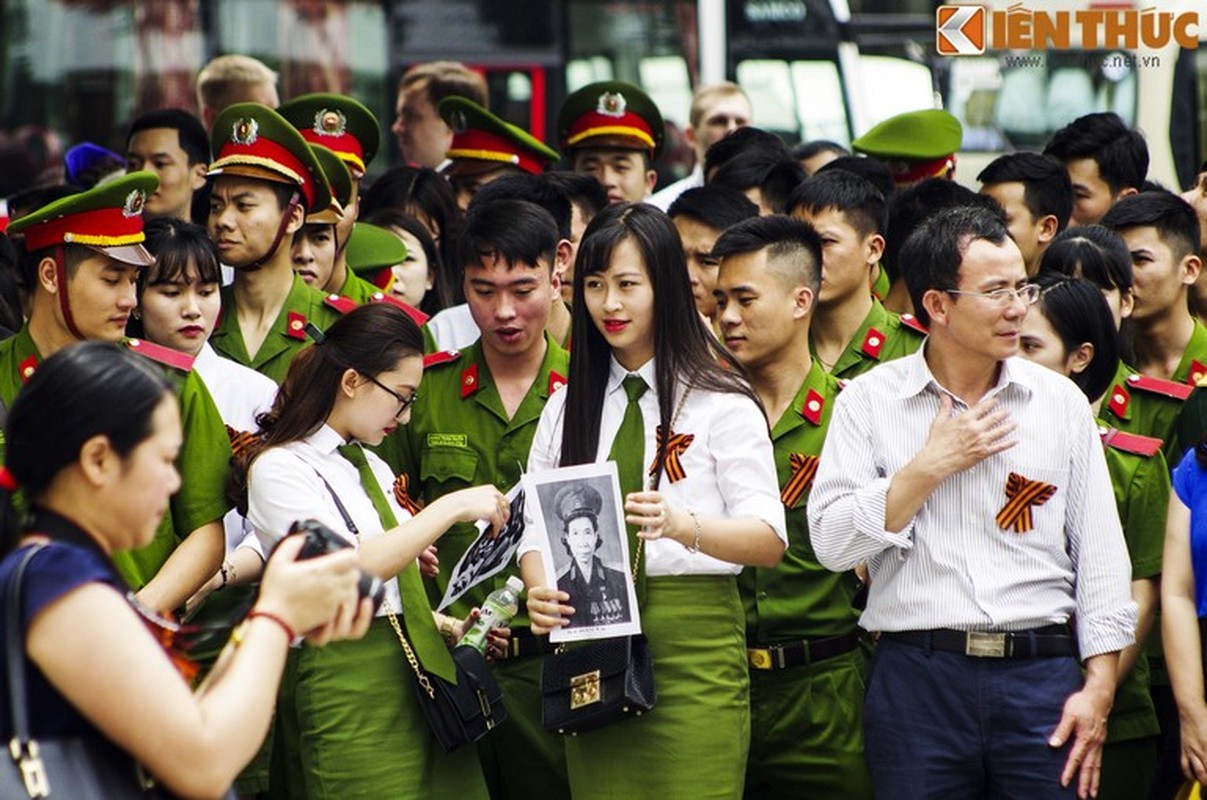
x: 515, y: 583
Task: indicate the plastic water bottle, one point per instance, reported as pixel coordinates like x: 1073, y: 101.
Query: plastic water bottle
x: 500, y: 606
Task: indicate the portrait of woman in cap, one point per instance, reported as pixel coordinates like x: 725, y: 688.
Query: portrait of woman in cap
x: 598, y: 593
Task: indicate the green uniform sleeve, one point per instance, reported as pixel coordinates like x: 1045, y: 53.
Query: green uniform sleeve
x: 204, y: 461
x: 1143, y: 516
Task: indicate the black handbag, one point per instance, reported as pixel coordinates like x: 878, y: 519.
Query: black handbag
x: 79, y: 767
x: 460, y: 713
x: 597, y: 684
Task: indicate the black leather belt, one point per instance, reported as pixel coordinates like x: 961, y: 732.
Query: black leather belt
x: 524, y: 643
x: 1050, y: 641
x: 800, y: 653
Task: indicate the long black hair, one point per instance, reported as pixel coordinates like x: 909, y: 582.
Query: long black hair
x: 371, y: 339
x: 1079, y: 313
x: 85, y: 390
x: 685, y: 351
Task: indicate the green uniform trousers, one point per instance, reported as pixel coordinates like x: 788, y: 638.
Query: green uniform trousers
x: 1128, y: 768
x: 523, y: 740
x: 807, y: 731
x: 695, y: 741
x: 361, y: 733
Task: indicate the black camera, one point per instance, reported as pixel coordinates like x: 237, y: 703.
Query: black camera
x: 320, y: 541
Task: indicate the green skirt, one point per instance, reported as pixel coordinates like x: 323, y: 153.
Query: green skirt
x: 695, y: 741
x: 360, y: 731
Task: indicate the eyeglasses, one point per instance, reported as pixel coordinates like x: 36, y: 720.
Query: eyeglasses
x: 1028, y: 293
x: 403, y: 402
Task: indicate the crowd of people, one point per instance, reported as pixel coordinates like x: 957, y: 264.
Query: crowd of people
x: 914, y: 477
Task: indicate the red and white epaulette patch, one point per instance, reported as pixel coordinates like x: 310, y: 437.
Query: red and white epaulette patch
x: 164, y: 355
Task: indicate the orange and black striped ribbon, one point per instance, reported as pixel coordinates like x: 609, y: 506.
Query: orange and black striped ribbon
x: 804, y: 469
x: 675, y: 446
x: 403, y: 495
x: 240, y: 439
x: 1023, y: 494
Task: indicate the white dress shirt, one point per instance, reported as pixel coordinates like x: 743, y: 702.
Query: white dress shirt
x: 240, y: 394
x: 454, y: 328
x: 952, y: 566
x: 729, y: 466
x: 663, y: 198
x: 284, y: 486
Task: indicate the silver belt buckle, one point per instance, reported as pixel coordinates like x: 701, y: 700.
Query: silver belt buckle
x: 983, y: 644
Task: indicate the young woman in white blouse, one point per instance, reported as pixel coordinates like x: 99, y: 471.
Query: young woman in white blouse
x: 708, y: 503
x: 349, y: 722
x: 178, y: 307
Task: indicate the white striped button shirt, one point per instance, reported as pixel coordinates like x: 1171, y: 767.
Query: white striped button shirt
x: 952, y: 566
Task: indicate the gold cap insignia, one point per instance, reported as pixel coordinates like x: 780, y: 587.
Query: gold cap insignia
x: 245, y: 131
x: 134, y: 203
x: 328, y: 122
x: 611, y: 104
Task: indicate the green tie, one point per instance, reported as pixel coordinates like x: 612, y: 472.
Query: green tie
x: 628, y: 451
x: 416, y: 610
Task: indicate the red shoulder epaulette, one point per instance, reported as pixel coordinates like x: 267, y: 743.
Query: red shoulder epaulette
x: 1147, y: 446
x: 910, y: 321
x: 343, y: 305
x: 443, y: 357
x: 412, y: 312
x: 164, y: 355
x: 1147, y: 383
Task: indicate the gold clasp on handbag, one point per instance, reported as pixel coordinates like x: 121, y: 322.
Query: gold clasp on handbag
x: 33, y: 772
x: 584, y: 689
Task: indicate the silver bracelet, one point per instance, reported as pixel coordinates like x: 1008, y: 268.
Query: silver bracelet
x: 694, y: 547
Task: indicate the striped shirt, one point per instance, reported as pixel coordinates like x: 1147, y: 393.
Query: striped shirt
x: 953, y: 565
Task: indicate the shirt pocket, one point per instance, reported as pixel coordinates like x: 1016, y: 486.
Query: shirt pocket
x: 449, y: 465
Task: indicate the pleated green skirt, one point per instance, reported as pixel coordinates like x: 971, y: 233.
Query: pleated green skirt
x: 694, y: 743
x: 360, y: 731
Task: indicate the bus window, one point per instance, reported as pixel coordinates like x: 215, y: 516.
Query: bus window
x: 812, y: 89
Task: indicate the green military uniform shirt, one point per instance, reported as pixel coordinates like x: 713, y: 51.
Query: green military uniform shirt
x: 883, y: 336
x: 287, y: 336
x: 357, y: 288
x: 203, y: 462
x: 459, y: 436
x: 1141, y: 486
x: 799, y: 598
x: 1137, y: 404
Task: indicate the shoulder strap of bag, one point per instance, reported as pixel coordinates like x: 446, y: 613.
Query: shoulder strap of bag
x: 14, y: 651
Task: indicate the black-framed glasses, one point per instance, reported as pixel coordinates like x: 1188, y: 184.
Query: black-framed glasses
x: 1028, y: 293
x: 403, y: 402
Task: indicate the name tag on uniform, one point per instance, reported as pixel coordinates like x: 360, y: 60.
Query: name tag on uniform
x: 447, y: 440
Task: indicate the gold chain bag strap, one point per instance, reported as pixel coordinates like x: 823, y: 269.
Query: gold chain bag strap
x: 603, y: 681
x: 457, y: 713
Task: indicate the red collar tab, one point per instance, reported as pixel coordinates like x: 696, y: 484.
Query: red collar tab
x: 873, y: 343
x: 1198, y: 371
x: 556, y: 381
x: 910, y: 321
x: 343, y: 305
x: 1134, y: 443
x: 1147, y: 383
x: 295, y: 327
x: 27, y: 368
x: 469, y: 381
x: 1120, y: 400
x: 164, y: 355
x: 813, y: 406
x: 415, y: 314
x: 444, y: 357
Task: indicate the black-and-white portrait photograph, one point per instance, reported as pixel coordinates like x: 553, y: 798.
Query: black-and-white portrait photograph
x: 585, y: 547
x: 488, y: 555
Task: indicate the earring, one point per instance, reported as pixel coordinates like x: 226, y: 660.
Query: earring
x: 136, y: 314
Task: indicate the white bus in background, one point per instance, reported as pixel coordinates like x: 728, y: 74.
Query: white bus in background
x: 1015, y: 100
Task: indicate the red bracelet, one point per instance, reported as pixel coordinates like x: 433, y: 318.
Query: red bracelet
x: 266, y: 615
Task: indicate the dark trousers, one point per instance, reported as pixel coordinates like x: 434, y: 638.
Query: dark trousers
x: 944, y: 725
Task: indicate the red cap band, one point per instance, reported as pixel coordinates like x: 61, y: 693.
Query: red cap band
x: 344, y: 145
x: 594, y: 123
x: 103, y: 227
x: 486, y: 146
x: 267, y: 154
